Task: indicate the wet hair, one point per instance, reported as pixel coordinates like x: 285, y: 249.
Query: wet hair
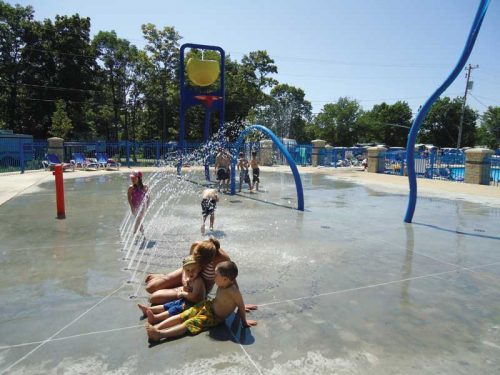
x: 215, y: 242
x: 227, y: 269
x: 204, y: 252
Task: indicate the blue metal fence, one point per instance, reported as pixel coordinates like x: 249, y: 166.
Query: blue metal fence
x: 434, y: 165
x: 495, y: 170
x: 448, y: 165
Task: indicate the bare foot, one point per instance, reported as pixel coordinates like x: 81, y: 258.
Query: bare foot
x: 151, y: 316
x: 143, y: 308
x: 250, y: 307
x: 153, y: 333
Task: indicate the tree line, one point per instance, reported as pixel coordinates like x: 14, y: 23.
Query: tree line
x: 55, y: 80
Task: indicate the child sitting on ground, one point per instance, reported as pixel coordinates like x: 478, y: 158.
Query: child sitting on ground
x: 243, y: 166
x: 192, y: 292
x: 209, y: 201
x: 208, y: 313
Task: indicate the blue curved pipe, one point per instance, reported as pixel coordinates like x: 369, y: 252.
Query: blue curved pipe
x: 412, y: 137
x: 291, y: 162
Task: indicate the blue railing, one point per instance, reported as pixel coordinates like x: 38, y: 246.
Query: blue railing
x: 495, y: 170
x: 447, y: 166
x: 434, y: 165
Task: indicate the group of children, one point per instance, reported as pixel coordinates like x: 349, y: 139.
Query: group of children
x: 210, y: 197
x: 193, y: 312
x: 243, y: 166
x: 223, y: 170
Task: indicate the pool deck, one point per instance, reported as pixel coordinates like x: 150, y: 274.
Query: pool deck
x: 12, y: 185
x: 344, y: 287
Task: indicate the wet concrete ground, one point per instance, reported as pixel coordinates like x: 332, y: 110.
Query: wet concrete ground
x: 344, y: 287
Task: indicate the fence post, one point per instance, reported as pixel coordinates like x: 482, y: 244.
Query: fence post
x: 56, y: 146
x: 266, y: 152
x: 127, y: 153
x: 432, y: 160
x: 478, y: 166
x: 376, y: 161
x: 158, y: 153
x: 317, y: 146
x: 21, y: 154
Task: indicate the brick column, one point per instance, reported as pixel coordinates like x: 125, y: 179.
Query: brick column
x: 477, y: 166
x: 55, y: 145
x: 376, y: 163
x: 317, y: 145
x: 266, y: 152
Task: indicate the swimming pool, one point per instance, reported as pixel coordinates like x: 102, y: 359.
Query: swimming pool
x: 458, y: 172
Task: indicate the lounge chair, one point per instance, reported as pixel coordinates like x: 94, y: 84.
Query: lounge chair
x: 105, y: 162
x: 80, y: 161
x: 53, y: 160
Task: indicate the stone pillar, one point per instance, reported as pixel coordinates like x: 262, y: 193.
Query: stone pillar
x: 477, y: 166
x: 266, y: 152
x: 328, y: 155
x: 317, y: 144
x: 376, y: 162
x: 55, y: 145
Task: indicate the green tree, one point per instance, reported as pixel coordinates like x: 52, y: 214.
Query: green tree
x: 163, y: 49
x: 489, y: 131
x: 246, y: 83
x: 15, y: 24
x: 61, y: 123
x: 117, y: 58
x: 287, y: 112
x: 384, y: 123
x: 58, y: 64
x: 440, y: 127
x: 338, y: 122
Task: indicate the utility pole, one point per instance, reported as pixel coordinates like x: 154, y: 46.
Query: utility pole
x: 468, y: 86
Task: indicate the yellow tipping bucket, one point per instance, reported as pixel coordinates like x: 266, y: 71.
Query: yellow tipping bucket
x: 202, y: 72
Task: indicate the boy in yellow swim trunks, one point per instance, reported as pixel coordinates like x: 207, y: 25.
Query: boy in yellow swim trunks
x: 208, y: 313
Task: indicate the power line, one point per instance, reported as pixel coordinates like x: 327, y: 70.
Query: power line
x: 52, y: 87
x: 348, y: 63
x: 480, y: 102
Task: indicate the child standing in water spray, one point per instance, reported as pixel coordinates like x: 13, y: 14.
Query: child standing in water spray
x: 223, y: 169
x: 208, y: 313
x: 243, y: 168
x: 191, y: 292
x: 255, y: 171
x: 209, y: 201
x: 136, y: 195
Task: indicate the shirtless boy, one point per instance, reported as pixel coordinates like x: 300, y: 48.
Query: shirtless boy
x: 208, y: 313
x: 222, y: 168
x: 209, y: 200
x: 255, y: 171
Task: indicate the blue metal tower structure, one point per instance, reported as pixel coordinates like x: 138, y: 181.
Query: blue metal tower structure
x: 191, y: 95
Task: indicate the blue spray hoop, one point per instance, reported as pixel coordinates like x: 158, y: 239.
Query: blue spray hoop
x: 412, y: 137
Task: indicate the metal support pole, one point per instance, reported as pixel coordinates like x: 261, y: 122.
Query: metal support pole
x: 460, y: 125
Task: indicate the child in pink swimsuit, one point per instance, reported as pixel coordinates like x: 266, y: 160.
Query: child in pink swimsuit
x: 136, y: 194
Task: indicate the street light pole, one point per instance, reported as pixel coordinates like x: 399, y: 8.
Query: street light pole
x: 460, y: 125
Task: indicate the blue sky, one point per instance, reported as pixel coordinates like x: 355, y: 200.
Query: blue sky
x: 368, y: 50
